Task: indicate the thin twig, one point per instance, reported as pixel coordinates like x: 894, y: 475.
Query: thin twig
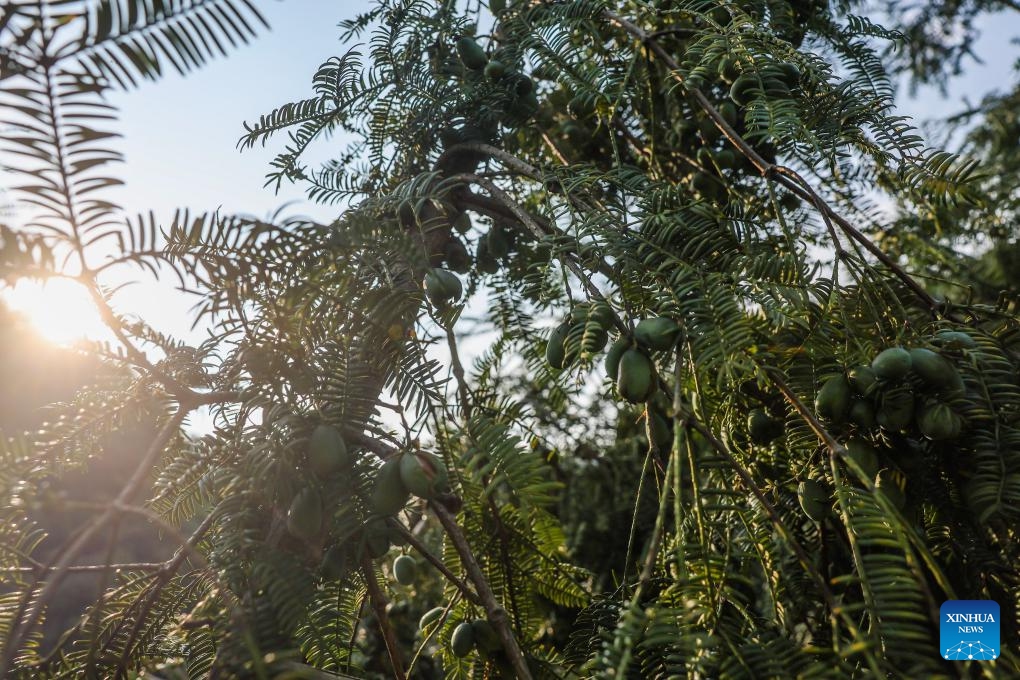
x: 378, y: 599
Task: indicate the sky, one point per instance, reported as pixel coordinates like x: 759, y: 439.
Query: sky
x: 180, y: 134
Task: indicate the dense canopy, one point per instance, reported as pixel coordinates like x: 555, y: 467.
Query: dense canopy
x: 648, y: 341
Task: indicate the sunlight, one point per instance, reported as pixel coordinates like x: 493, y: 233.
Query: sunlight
x: 61, y: 310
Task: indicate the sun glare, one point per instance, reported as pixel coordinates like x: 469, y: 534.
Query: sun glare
x: 60, y: 310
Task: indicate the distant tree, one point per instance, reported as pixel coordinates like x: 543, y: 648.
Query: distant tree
x: 721, y: 419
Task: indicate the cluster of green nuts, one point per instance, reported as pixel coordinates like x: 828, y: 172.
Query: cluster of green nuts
x: 412, y: 472
x: 585, y: 331
x: 902, y: 391
x: 372, y: 539
x: 467, y: 636
x: 901, y: 387
x: 519, y: 99
x: 629, y: 359
x: 326, y: 456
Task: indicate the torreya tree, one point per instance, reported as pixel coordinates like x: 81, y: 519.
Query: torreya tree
x: 634, y: 350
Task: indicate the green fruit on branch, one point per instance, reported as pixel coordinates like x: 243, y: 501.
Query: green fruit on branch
x: 304, y: 517
x: 864, y: 454
x: 814, y: 499
x: 523, y: 85
x: 335, y: 563
x: 390, y: 495
x: 636, y: 377
x: 862, y: 414
x: 556, y: 349
x: 442, y: 287
x: 889, y: 484
x: 728, y: 111
x: 762, y: 428
x: 864, y: 380
x: 494, y: 70
x: 790, y: 73
x: 462, y: 223
x: 725, y: 159
x: 955, y: 340
x: 729, y: 68
x: 892, y: 364
x: 471, y: 54
x: 487, y: 264
x: 457, y: 257
x: 498, y: 242
x: 424, y: 474
x: 486, y: 637
x: 706, y: 185
x: 462, y: 641
x: 833, y: 398
x: 934, y: 369
x: 327, y: 452
x: 743, y: 89
x: 405, y: 570
x: 896, y: 410
x: 431, y: 617
x: 375, y: 539
x: 659, y: 333
x: 938, y: 422
x: 613, y: 356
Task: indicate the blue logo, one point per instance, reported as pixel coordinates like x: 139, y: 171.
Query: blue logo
x: 969, y: 630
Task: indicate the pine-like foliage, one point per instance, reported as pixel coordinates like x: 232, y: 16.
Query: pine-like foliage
x: 758, y: 489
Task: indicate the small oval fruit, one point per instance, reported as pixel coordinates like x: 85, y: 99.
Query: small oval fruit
x: 743, y: 88
x: 833, y: 398
x: 495, y: 70
x: 304, y: 517
x: 457, y: 257
x: 405, y: 570
x: 423, y: 474
x: 335, y: 563
x: 376, y: 539
x: 613, y: 356
x: 814, y: 499
x: 442, y: 286
x: 498, y: 242
x: 327, y: 452
x: 390, y: 495
x: 471, y: 53
x: 462, y: 223
x: 486, y: 637
x: 555, y: 349
x: 862, y: 414
x: 658, y: 333
x: 896, y: 410
x: 790, y: 73
x: 462, y: 641
x: 636, y: 377
x: 430, y: 617
x: 938, y: 422
x: 934, y: 369
x: 892, y: 364
x: 864, y: 454
x: 863, y: 380
x: 762, y: 428
x: 955, y: 340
